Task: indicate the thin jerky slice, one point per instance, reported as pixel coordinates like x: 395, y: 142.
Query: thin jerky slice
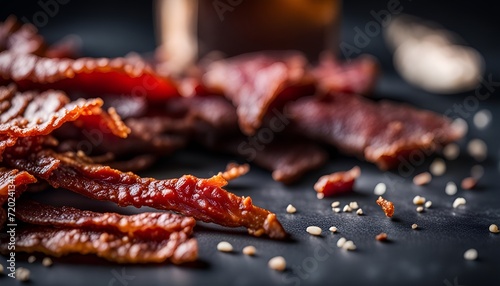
x: 14, y: 179
x: 90, y: 75
x: 155, y: 226
x: 337, y: 183
x: 387, y: 206
x: 203, y: 199
x: 177, y: 248
x: 382, y: 132
x: 234, y: 171
x: 20, y: 38
x: 259, y: 81
x: 358, y: 76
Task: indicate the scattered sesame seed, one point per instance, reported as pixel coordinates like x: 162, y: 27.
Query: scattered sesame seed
x: 22, y: 274
x: 47, y: 262
x: 450, y: 189
x: 31, y: 259
x: 482, y: 118
x: 451, y: 151
x: 494, y: 228
x: 468, y: 183
x: 381, y: 237
x: 458, y: 202
x: 341, y: 242
x: 354, y: 205
x: 418, y: 200
x: 470, y: 254
x: 332, y: 229
x: 335, y: 204
x: 347, y: 209
x: 249, y: 250
x: 460, y: 125
x: 414, y: 226
x: 313, y: 230
x: 359, y: 212
x: 290, y: 209
x: 224, y: 246
x: 349, y: 245
x: 1, y: 268
x: 477, y: 149
x: 477, y: 171
x: 420, y: 209
x: 380, y: 189
x: 277, y: 263
x: 337, y: 210
x: 320, y: 196
x: 438, y: 167
x: 428, y: 204
x: 422, y: 179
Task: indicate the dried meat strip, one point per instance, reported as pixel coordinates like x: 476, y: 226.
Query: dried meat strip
x: 258, y: 82
x: 203, y: 199
x: 177, y: 248
x: 337, y: 183
x: 20, y: 38
x: 155, y: 226
x: 90, y: 75
x: 382, y: 132
x: 14, y: 179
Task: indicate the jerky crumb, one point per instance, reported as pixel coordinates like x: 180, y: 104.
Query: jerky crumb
x: 335, y: 204
x: 333, y: 229
x: 387, y: 206
x: 420, y: 209
x: 277, y: 263
x: 314, y: 230
x: 354, y: 205
x: 22, y: 274
x: 380, y: 189
x: 470, y: 254
x: 428, y: 204
x: 451, y: 189
x: 359, y: 212
x: 341, y: 242
x: 381, y: 237
x: 494, y: 228
x: 290, y: 209
x: 224, y: 246
x: 459, y: 202
x: 422, y: 179
x: 349, y: 245
x: 438, y: 167
x: 249, y: 250
x: 47, y: 262
x: 468, y: 183
x: 414, y: 226
x: 31, y: 259
x: 418, y: 200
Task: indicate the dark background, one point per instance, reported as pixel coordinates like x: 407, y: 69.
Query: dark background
x: 431, y: 256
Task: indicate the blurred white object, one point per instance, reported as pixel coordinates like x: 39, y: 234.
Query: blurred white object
x: 430, y: 57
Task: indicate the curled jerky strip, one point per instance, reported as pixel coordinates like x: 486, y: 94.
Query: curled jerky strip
x: 14, y: 181
x: 20, y: 38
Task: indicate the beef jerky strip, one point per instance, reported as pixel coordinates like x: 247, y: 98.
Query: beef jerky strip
x: 358, y: 76
x: 383, y: 132
x: 177, y: 248
x: 337, y: 183
x: 156, y: 226
x: 12, y: 184
x: 258, y: 82
x: 93, y: 76
x: 19, y: 38
x: 203, y: 199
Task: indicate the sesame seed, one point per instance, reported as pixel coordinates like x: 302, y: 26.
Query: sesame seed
x: 418, y: 200
x: 460, y: 125
x: 320, y: 196
x: 438, y: 167
x: 47, y: 262
x: 337, y: 210
x: 354, y: 205
x: 450, y: 189
x: 470, y: 254
x: 482, y: 118
x: 359, y: 212
x: 494, y: 228
x: 31, y: 259
x: 277, y: 263
x: 468, y: 183
x: 451, y: 151
x: 458, y: 202
x: 381, y: 237
x: 428, y: 204
x: 335, y: 204
x: 477, y: 171
x: 380, y: 189
x: 347, y: 209
x: 332, y: 229
x: 414, y: 226
x: 249, y: 250
x: 349, y: 245
x: 22, y: 274
x: 313, y: 230
x: 422, y: 179
x: 290, y: 209
x: 224, y: 246
x: 1, y: 268
x: 477, y: 149
x: 420, y: 209
x: 341, y: 242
